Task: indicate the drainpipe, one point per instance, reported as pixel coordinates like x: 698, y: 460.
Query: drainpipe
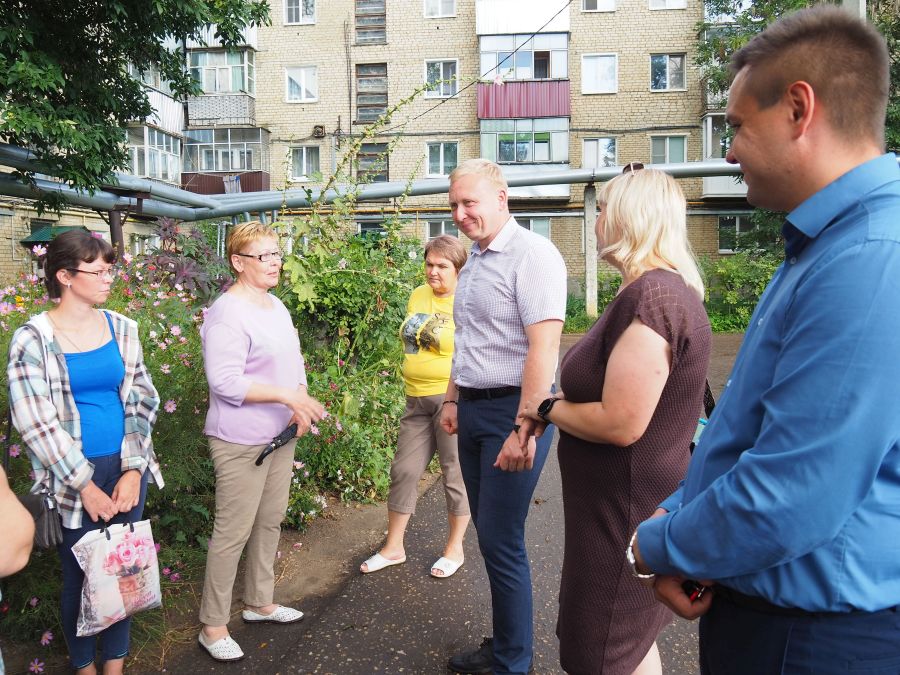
x: 590, y: 250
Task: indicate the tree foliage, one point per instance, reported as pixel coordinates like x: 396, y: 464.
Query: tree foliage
x: 65, y: 91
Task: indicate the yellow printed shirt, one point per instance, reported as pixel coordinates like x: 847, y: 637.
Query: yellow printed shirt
x: 427, y: 335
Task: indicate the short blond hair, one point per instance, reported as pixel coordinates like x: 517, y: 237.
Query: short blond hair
x: 480, y: 167
x: 244, y: 234
x: 645, y: 225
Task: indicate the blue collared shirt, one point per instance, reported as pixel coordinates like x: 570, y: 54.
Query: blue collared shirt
x: 793, y: 493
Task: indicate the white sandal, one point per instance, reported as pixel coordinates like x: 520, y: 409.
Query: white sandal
x: 281, y: 614
x: 223, y: 650
x: 379, y: 562
x: 447, y: 566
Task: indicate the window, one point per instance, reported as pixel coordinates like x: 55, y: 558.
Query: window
x: 435, y: 9
x: 668, y: 4
x: 666, y: 72
x: 544, y: 139
x: 730, y: 228
x: 371, y: 228
x: 372, y: 163
x: 598, y: 5
x: 154, y: 154
x: 540, y: 57
x: 301, y: 84
x: 665, y: 149
x: 371, y: 91
x: 539, y: 226
x: 599, y: 74
x: 304, y: 162
x: 599, y: 152
x: 299, y: 11
x: 151, y: 77
x: 223, y: 149
x: 435, y: 228
x: 224, y: 72
x: 370, y: 22
x: 441, y: 79
x: 441, y: 158
x: 715, y: 138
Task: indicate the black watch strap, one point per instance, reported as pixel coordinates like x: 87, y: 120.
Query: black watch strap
x: 545, y: 407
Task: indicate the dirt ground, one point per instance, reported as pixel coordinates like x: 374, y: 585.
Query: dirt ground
x: 314, y: 565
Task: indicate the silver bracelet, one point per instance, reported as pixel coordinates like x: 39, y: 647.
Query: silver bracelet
x: 629, y: 556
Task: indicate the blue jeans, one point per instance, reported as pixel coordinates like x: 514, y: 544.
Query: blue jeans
x: 499, y: 501
x: 114, y: 640
x: 736, y: 640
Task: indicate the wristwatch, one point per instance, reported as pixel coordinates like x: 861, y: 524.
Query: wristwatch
x: 545, y: 407
x: 629, y: 556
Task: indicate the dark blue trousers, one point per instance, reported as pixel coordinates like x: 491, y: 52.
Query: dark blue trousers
x: 115, y: 639
x: 499, y: 502
x: 736, y: 640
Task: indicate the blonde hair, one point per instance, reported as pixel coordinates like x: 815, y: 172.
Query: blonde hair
x: 244, y: 234
x: 645, y: 225
x: 480, y: 167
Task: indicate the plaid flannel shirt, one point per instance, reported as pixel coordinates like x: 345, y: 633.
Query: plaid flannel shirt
x: 45, y: 414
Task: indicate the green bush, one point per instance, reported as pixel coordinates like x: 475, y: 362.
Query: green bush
x: 733, y: 286
x: 577, y: 319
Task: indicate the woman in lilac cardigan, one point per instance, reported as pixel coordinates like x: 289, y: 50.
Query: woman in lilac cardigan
x: 257, y: 387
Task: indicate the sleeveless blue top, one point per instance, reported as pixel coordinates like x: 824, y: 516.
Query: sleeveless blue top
x: 95, y: 377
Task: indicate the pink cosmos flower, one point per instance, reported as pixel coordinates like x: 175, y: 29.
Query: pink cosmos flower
x: 176, y: 330
x: 39, y: 250
x: 170, y: 406
x: 175, y: 577
x: 165, y: 369
x: 166, y: 571
x: 34, y: 601
x: 313, y: 429
x: 15, y: 450
x: 157, y: 546
x: 47, y: 637
x: 37, y: 666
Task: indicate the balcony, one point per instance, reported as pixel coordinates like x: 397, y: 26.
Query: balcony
x: 524, y: 98
x: 214, y: 183
x: 237, y: 109
x: 560, y: 191
x: 723, y: 186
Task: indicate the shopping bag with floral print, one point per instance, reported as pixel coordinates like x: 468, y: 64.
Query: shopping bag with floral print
x: 121, y: 575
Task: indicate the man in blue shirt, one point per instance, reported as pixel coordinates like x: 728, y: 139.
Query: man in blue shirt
x: 791, y: 503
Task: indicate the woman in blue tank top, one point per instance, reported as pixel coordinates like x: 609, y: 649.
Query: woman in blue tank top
x: 84, y: 403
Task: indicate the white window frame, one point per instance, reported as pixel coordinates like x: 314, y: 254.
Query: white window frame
x: 596, y: 140
x: 522, y: 220
x: 440, y: 13
x: 743, y: 216
x: 444, y: 224
x: 669, y: 56
x: 304, y: 72
x: 658, y: 5
x: 491, y: 51
x: 444, y: 169
x: 449, y: 87
x: 707, y: 122
x: 306, y: 175
x: 556, y: 129
x: 668, y: 138
x: 304, y: 20
x: 584, y: 60
x: 599, y: 6
x: 222, y: 72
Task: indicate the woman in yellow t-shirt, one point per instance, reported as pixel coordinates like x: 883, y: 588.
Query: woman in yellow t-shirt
x: 427, y: 335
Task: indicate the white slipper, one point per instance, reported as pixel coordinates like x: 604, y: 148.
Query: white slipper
x: 224, y: 649
x: 379, y: 562
x: 447, y: 566
x: 280, y: 615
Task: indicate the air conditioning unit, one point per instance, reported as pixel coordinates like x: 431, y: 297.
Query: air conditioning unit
x: 319, y: 131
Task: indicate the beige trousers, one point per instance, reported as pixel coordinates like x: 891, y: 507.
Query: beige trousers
x: 420, y: 435
x: 250, y: 505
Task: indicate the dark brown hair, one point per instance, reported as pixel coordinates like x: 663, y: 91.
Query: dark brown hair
x: 69, y: 249
x: 450, y: 248
x: 842, y: 57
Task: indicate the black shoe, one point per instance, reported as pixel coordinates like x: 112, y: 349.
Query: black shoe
x: 480, y: 660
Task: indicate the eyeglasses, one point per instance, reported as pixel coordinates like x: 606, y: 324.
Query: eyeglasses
x: 110, y: 272
x: 263, y: 257
x: 632, y: 167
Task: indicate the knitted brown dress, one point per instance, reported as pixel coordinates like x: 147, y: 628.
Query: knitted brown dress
x: 607, y: 619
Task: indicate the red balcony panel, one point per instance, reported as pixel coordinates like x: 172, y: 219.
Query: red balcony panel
x: 212, y: 184
x: 542, y: 98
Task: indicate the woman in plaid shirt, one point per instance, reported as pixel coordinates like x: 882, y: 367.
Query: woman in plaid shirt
x: 84, y: 404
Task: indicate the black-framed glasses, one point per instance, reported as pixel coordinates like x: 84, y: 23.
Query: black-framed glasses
x: 110, y: 272
x: 632, y: 167
x: 263, y: 257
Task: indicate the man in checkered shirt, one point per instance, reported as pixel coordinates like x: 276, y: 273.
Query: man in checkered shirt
x: 509, y: 309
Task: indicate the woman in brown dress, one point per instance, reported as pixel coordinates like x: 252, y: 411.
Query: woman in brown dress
x: 633, y: 391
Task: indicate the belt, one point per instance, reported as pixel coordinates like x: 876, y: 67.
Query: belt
x: 759, y: 604
x: 471, y: 394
